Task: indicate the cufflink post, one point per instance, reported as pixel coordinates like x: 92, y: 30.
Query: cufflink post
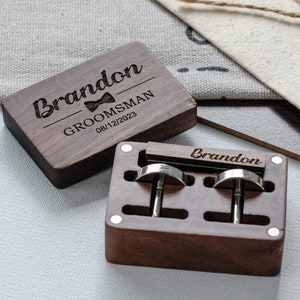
x: 239, y: 180
x: 160, y: 174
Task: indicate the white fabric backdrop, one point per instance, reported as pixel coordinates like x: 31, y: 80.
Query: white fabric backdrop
x: 40, y: 38
x: 266, y: 43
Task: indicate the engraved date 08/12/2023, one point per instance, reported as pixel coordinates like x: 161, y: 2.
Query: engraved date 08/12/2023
x: 116, y: 122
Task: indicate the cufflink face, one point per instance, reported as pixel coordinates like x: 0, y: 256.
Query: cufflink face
x: 226, y: 213
x: 70, y: 123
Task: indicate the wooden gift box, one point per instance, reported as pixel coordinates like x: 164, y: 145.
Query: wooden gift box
x: 70, y: 123
x: 194, y: 231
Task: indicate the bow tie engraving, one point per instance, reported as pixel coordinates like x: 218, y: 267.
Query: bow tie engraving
x: 93, y: 105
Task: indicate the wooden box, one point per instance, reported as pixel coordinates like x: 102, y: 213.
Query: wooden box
x: 70, y: 123
x: 194, y: 231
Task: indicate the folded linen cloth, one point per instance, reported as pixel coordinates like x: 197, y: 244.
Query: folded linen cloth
x: 43, y: 38
x: 262, y: 36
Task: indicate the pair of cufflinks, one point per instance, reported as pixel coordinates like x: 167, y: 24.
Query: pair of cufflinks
x: 182, y: 207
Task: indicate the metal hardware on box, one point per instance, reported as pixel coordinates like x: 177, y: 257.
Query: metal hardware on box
x: 210, y: 210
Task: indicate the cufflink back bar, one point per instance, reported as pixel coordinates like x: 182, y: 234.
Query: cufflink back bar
x: 160, y: 174
x: 182, y: 207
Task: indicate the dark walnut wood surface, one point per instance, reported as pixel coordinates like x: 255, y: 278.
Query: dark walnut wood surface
x: 70, y: 123
x: 194, y: 232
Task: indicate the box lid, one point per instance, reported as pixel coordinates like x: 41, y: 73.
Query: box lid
x: 70, y: 123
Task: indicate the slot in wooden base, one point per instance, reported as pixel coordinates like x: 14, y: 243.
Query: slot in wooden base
x: 194, y: 232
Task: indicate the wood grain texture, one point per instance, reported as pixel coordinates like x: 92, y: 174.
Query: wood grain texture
x: 198, y: 157
x: 194, y: 241
x: 271, y: 124
x: 70, y: 123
